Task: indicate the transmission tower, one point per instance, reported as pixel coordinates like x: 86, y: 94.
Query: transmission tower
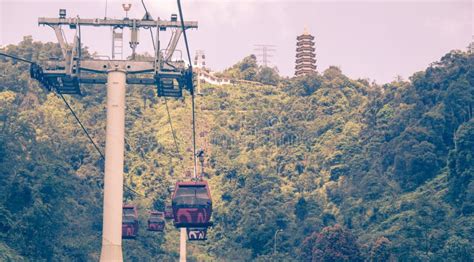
x: 264, y: 53
x: 66, y: 76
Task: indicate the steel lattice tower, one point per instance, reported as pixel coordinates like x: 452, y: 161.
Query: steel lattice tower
x: 264, y: 53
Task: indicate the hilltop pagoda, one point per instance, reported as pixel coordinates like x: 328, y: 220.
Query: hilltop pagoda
x: 305, y: 54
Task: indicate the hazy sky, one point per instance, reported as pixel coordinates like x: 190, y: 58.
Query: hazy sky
x: 366, y: 39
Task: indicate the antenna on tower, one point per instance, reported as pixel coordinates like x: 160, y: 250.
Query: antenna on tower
x: 126, y: 7
x: 264, y: 51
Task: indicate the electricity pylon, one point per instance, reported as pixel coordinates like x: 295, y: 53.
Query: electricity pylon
x: 264, y: 53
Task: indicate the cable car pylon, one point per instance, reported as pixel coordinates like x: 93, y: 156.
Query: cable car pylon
x: 65, y: 76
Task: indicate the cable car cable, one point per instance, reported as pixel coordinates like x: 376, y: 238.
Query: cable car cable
x: 192, y: 87
x: 17, y: 58
x: 151, y: 31
x: 82, y: 126
x: 92, y: 141
x: 166, y: 100
x: 75, y: 116
x: 146, y: 10
x: 171, y: 126
x: 67, y: 105
x: 175, y: 140
x: 184, y: 32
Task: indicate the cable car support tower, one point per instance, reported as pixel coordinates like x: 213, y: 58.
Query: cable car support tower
x: 66, y: 75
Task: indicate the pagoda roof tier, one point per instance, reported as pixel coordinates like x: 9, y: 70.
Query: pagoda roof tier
x: 303, y: 72
x: 305, y: 36
x: 305, y: 66
x: 306, y: 59
x: 305, y: 48
x: 307, y: 54
x: 300, y: 43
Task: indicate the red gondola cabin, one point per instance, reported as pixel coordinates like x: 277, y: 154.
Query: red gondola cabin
x: 192, y: 204
x: 156, y: 221
x: 129, y: 222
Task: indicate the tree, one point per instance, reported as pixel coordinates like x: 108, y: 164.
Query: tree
x: 381, y: 250
x: 333, y: 243
x: 267, y: 75
x: 301, y: 208
x: 457, y: 249
x: 461, y: 162
x: 246, y: 69
x: 303, y: 85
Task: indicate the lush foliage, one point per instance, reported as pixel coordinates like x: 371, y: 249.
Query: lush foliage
x: 248, y: 69
x: 347, y: 170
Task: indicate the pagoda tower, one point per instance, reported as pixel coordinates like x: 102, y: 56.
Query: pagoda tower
x: 305, y: 54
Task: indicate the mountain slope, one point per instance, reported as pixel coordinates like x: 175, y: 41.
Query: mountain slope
x: 391, y: 164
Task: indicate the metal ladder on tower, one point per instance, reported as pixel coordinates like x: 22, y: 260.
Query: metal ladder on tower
x: 117, y: 43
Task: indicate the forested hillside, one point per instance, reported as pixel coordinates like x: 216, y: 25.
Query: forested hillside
x: 348, y: 170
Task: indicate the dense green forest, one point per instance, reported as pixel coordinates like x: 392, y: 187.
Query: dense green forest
x: 347, y: 169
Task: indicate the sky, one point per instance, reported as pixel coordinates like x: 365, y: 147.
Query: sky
x: 376, y: 40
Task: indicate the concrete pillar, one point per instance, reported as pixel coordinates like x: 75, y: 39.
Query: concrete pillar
x: 182, y: 244
x: 114, y: 157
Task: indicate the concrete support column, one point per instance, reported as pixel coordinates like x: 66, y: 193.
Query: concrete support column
x: 114, y: 158
x: 182, y: 244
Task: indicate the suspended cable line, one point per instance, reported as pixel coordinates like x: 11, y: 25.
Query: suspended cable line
x: 146, y: 10
x: 91, y: 140
x: 151, y: 31
x: 67, y: 105
x: 17, y: 58
x: 173, y: 132
x: 75, y: 116
x: 192, y: 88
x: 184, y: 32
x: 82, y: 126
x: 105, y: 15
x: 171, y: 126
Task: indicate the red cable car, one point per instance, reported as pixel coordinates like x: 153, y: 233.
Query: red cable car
x: 156, y: 221
x: 168, y: 212
x: 192, y: 204
x: 129, y: 222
